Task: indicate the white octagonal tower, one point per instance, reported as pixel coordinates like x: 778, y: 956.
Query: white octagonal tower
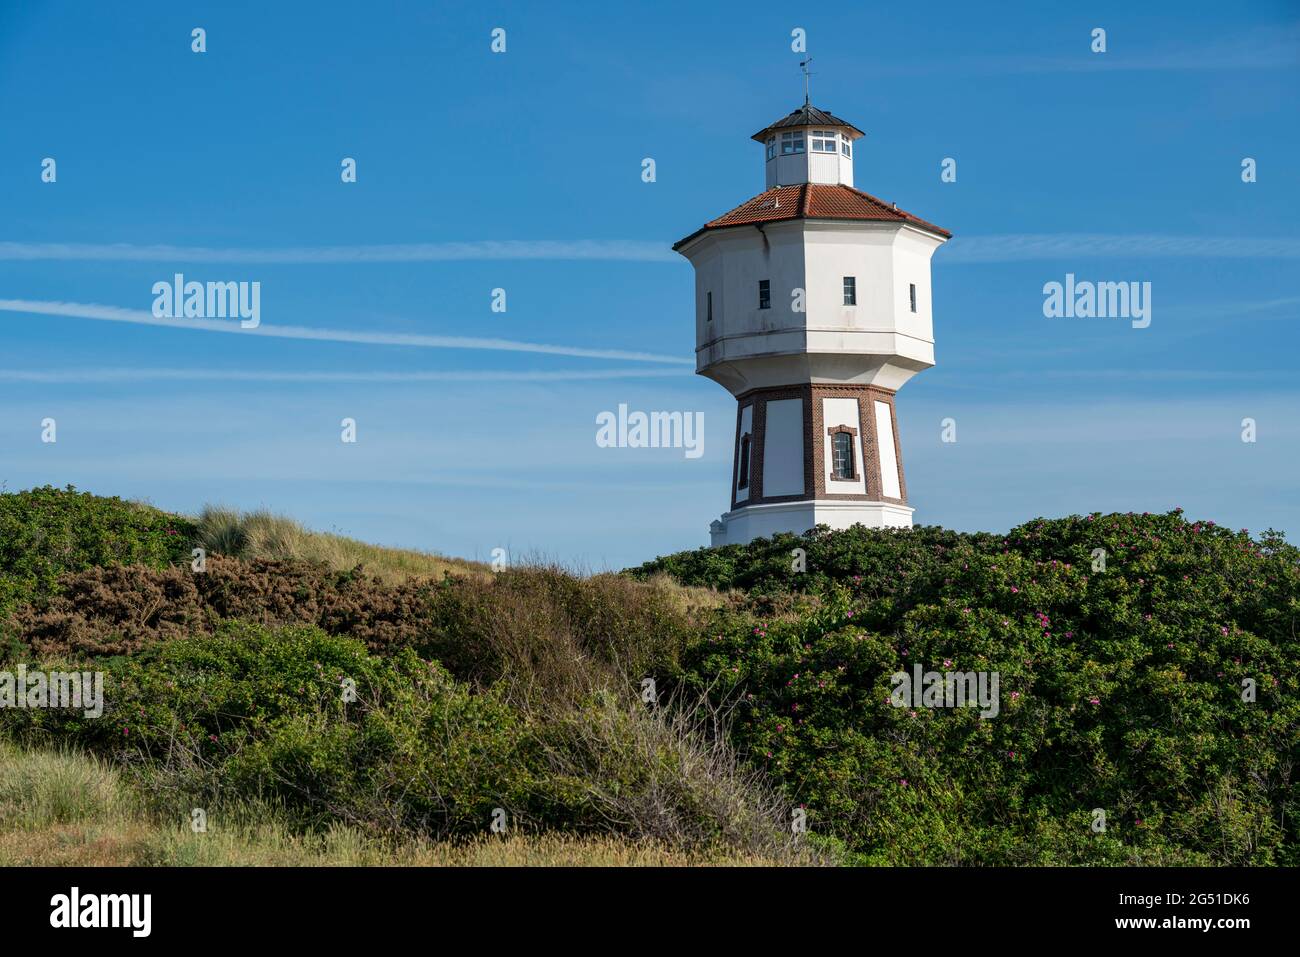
x: 812, y: 307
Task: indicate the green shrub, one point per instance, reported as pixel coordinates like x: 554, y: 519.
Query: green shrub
x: 45, y: 532
x: 1120, y: 689
x: 886, y: 557
x: 545, y: 635
x: 259, y: 715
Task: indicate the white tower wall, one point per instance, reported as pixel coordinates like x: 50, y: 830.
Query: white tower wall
x: 812, y: 372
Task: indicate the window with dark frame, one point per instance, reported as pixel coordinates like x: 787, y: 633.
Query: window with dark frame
x: 822, y: 141
x: 764, y: 294
x: 850, y: 290
x: 842, y: 456
x: 912, y: 293
x: 742, y: 475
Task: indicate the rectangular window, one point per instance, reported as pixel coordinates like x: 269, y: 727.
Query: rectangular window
x: 846, y: 147
x: 823, y: 141
x: 764, y: 294
x: 709, y: 313
x: 850, y: 290
x: 912, y: 292
x: 791, y: 143
x: 771, y: 147
x: 742, y: 479
x: 842, y: 456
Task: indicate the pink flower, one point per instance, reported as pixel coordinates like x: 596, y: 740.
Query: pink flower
x: 1094, y: 701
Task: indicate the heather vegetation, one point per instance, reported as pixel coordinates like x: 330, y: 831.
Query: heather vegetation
x: 689, y: 710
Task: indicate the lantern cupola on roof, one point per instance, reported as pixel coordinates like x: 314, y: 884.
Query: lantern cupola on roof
x: 809, y: 146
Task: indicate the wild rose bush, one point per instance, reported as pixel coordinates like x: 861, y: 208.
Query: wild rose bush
x: 1120, y: 690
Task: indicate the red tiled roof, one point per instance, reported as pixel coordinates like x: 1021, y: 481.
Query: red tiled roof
x: 814, y: 201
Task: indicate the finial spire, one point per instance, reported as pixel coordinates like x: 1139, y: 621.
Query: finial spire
x: 803, y: 65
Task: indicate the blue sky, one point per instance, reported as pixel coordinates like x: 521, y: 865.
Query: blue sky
x: 522, y: 171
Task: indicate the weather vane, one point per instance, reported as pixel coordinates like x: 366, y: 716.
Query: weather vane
x: 803, y: 65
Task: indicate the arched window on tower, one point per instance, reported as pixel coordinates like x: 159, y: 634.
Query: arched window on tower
x: 742, y: 476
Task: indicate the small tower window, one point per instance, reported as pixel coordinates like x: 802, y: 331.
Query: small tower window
x: 742, y: 476
x: 764, y: 294
x: 792, y: 142
x: 708, y: 315
x: 911, y: 291
x: 850, y: 290
x: 846, y: 147
x: 771, y: 147
x: 842, y: 464
x: 823, y: 141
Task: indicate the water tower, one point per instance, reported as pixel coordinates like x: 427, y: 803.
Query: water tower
x: 812, y: 307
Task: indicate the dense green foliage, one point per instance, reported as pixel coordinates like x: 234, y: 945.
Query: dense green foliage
x: 46, y: 532
x: 252, y: 711
x: 315, y: 725
x: 1146, y: 671
x: 1121, y: 690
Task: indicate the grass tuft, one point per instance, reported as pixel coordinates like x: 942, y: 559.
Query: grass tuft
x: 263, y: 534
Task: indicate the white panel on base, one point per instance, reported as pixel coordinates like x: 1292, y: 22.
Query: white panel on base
x: 783, y: 448
x: 888, y: 455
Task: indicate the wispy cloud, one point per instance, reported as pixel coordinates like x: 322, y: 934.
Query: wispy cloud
x: 963, y: 249
x: 1027, y: 247
x: 82, y: 310
x: 119, y: 374
x: 625, y: 250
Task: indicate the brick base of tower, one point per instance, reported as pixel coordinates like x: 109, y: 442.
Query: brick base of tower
x: 814, y: 454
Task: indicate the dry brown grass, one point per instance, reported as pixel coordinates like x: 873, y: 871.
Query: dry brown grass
x: 263, y: 534
x: 693, y: 601
x: 133, y: 844
x: 68, y: 809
